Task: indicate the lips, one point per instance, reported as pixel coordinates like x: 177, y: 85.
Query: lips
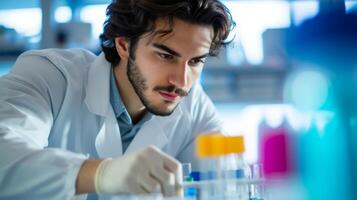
x: 168, y: 96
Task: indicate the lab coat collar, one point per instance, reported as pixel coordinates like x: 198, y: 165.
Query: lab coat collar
x: 108, y: 140
x: 97, y: 91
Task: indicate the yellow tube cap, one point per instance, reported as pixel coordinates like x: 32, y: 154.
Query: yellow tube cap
x: 235, y: 144
x: 210, y: 145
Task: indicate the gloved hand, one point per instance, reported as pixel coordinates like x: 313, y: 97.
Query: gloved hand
x: 145, y: 171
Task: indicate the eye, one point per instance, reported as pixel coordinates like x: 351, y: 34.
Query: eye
x: 165, y: 56
x: 196, y: 61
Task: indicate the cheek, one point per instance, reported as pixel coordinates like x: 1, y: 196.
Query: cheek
x: 153, y: 73
x: 194, y: 74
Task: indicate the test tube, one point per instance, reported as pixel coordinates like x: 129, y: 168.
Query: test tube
x: 186, y: 171
x: 189, y: 193
x: 257, y: 189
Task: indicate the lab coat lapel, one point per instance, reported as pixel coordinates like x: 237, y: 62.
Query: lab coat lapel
x: 108, y: 140
x: 155, y: 132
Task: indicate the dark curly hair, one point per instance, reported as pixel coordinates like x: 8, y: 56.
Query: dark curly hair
x: 133, y: 18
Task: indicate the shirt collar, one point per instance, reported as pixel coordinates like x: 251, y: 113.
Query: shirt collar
x: 115, y: 98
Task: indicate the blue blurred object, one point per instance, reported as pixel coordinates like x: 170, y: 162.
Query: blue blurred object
x: 239, y: 173
x: 329, y: 39
x: 190, y: 192
x: 196, y: 176
x: 328, y: 154
x: 324, y: 164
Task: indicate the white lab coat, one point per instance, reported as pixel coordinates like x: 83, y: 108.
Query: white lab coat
x: 55, y: 113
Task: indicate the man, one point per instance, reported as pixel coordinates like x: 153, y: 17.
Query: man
x: 74, y: 123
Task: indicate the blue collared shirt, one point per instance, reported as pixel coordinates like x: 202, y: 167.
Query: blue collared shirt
x: 127, y: 129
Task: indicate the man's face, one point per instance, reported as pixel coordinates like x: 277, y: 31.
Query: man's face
x: 164, y: 68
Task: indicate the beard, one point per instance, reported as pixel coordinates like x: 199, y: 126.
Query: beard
x: 139, y: 84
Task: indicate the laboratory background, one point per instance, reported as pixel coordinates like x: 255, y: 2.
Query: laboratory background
x: 285, y: 82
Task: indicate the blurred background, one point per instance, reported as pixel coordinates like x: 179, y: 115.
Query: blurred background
x: 246, y: 81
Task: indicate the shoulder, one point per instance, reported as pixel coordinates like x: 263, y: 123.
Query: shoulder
x: 62, y: 57
x: 54, y: 62
x: 52, y: 68
x: 51, y: 73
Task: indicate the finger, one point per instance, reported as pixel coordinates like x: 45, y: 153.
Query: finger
x: 163, y: 175
x: 176, y: 189
x: 175, y: 167
x: 166, y: 179
x: 169, y: 189
x: 142, y: 190
x: 170, y: 164
x: 150, y: 184
x: 137, y: 189
x: 161, y: 189
x: 179, y: 190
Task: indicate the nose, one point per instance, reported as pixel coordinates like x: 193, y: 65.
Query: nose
x: 179, y: 76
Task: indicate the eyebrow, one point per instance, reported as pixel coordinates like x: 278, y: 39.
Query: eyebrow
x: 173, y: 52
x: 167, y: 49
x: 202, y: 56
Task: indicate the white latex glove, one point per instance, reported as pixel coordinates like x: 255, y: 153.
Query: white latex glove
x: 145, y: 171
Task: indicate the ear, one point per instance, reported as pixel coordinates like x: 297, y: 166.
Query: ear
x: 122, y: 47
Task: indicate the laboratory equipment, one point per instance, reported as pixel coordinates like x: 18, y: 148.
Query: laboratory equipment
x: 257, y: 188
x: 221, y: 164
x: 189, y: 192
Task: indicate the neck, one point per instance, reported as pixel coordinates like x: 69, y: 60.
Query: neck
x: 128, y: 95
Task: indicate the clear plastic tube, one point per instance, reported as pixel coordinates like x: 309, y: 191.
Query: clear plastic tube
x: 221, y: 161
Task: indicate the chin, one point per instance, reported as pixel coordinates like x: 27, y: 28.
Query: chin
x: 162, y: 110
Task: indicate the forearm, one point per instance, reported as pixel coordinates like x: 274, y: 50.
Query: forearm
x: 86, y: 175
x: 37, y: 173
